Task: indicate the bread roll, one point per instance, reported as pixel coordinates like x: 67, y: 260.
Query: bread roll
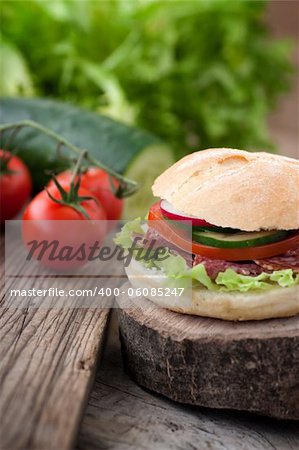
x: 234, y: 188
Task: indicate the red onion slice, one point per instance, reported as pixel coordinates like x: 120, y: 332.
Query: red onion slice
x: 172, y: 213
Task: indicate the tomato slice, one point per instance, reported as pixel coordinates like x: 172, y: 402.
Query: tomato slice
x: 230, y: 254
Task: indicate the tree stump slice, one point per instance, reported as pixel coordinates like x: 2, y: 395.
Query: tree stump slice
x: 248, y: 366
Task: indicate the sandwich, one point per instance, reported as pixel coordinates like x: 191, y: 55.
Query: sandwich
x: 228, y: 221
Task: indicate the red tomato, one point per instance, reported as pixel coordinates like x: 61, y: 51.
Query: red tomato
x: 15, y: 187
x: 230, y: 254
x: 46, y: 220
x: 97, y: 181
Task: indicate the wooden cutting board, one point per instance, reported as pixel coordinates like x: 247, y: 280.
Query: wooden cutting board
x: 250, y: 366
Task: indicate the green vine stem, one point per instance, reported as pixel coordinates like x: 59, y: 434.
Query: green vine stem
x: 126, y: 187
x: 71, y: 197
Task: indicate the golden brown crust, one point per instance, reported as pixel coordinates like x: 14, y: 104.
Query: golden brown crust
x: 234, y: 188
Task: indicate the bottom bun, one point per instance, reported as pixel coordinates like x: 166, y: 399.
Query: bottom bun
x: 277, y: 302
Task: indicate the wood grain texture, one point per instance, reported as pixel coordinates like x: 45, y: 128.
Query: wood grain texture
x: 47, y: 364
x: 122, y: 416
x: 251, y: 366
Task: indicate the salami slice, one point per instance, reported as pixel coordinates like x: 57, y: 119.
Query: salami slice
x: 289, y: 260
x: 215, y: 266
x: 155, y: 240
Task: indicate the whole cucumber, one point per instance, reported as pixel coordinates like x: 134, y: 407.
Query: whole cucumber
x: 113, y: 143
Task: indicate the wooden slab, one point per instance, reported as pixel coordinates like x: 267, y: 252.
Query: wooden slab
x: 122, y: 416
x: 48, y: 358
x: 251, y: 366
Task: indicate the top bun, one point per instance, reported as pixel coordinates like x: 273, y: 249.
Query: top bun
x: 234, y: 188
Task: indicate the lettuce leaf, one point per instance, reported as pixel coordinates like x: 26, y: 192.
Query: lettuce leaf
x: 175, y: 267
x: 125, y: 237
x: 285, y: 278
x: 232, y: 281
x: 199, y: 274
x: 228, y: 280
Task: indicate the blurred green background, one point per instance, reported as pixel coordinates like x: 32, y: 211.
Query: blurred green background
x: 198, y: 74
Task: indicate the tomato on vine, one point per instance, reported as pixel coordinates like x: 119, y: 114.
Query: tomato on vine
x: 65, y: 220
x: 15, y: 185
x: 99, y: 183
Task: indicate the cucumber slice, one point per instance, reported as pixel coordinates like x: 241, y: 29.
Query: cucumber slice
x: 145, y: 167
x: 238, y: 240
x: 216, y: 229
